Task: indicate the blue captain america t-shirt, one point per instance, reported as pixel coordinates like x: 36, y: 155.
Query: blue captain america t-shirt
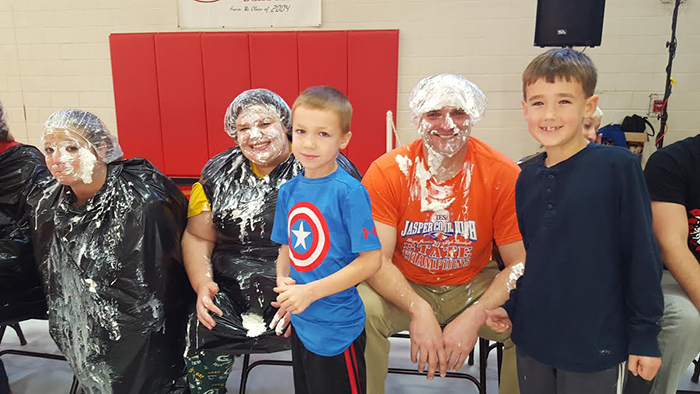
x: 326, y: 222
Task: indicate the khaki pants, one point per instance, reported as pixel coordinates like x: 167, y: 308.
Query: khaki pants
x: 385, y: 320
x: 679, y: 339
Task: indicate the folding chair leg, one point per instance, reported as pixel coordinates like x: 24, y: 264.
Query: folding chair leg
x: 74, y: 386
x: 20, y: 334
x: 483, y: 359
x: 470, y: 360
x: 499, y: 357
x: 244, y: 373
x: 696, y: 372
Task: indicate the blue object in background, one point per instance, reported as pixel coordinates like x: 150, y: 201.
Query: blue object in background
x: 613, y: 135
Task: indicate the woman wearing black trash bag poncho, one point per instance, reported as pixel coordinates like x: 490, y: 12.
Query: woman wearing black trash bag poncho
x: 228, y: 253
x: 107, y: 240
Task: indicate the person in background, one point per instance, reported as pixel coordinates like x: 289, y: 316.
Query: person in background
x: 591, y: 126
x: 673, y: 178
x: 21, y: 289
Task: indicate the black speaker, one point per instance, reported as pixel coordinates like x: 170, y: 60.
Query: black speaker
x: 562, y: 23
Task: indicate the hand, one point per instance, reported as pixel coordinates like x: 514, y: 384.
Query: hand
x: 281, y: 321
x: 205, y: 304
x: 460, y: 337
x: 498, y: 320
x: 294, y: 298
x: 426, y: 343
x: 285, y: 280
x: 644, y: 366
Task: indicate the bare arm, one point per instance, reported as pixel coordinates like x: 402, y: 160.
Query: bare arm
x: 282, y: 264
x: 364, y: 266
x: 513, y: 254
x: 671, y: 229
x: 281, y: 320
x: 197, y: 245
x: 389, y: 282
x: 461, y: 334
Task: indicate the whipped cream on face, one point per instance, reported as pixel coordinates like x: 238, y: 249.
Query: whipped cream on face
x: 71, y: 157
x: 260, y: 135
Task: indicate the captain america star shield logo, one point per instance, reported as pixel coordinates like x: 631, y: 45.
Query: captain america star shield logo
x: 309, y: 240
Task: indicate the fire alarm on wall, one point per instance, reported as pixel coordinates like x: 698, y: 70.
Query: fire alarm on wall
x: 656, y: 105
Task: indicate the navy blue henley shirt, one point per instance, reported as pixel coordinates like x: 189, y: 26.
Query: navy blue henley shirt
x: 591, y: 294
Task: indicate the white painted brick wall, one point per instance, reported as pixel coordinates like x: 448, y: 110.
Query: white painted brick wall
x: 55, y: 54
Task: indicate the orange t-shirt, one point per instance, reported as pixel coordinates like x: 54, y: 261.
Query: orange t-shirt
x: 444, y: 231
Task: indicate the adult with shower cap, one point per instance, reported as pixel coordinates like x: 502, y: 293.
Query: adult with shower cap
x: 438, y: 204
x: 230, y: 259
x: 107, y: 239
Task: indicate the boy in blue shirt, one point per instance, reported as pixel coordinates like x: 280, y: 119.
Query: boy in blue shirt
x: 323, y: 220
x: 590, y: 299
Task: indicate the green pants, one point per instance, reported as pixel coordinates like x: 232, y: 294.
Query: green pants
x: 385, y: 320
x: 208, y: 373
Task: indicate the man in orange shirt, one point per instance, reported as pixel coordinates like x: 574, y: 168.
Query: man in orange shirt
x: 438, y: 204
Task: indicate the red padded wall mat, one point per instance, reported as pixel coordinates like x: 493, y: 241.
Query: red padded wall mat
x: 136, y: 96
x: 172, y: 89
x: 182, y: 105
x: 274, y: 63
x: 372, y: 84
x: 226, y: 70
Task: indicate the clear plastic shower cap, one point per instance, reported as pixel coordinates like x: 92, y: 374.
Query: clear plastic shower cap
x: 89, y: 127
x: 446, y: 90
x: 262, y: 98
x: 4, y: 127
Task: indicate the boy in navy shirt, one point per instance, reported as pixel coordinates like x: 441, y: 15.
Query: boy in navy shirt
x: 323, y: 220
x: 590, y: 299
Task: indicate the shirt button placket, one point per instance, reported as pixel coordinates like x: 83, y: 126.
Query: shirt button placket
x: 550, y: 185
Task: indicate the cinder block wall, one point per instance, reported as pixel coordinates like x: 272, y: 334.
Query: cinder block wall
x: 55, y: 54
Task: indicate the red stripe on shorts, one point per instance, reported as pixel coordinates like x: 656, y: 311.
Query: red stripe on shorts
x: 354, y: 362
x: 351, y: 374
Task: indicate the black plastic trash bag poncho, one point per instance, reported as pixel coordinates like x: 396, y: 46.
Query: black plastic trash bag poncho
x: 21, y: 289
x: 244, y: 258
x: 116, y: 287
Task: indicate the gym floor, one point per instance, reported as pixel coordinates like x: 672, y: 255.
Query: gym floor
x: 38, y: 376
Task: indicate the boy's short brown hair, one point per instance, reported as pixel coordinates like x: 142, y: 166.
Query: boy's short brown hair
x: 562, y: 63
x: 326, y: 98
